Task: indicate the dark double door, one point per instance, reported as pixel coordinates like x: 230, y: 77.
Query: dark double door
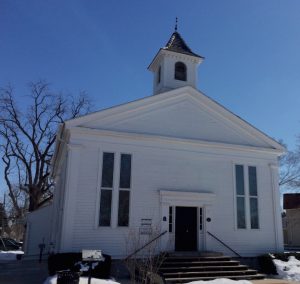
x: 186, y: 229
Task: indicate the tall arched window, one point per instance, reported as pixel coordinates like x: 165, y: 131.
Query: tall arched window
x: 180, y: 71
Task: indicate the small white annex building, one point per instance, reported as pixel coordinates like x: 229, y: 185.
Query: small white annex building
x: 175, y: 162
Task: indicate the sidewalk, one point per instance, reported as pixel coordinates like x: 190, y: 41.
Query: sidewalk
x: 28, y: 272
x: 23, y: 272
x: 33, y: 272
x: 273, y: 281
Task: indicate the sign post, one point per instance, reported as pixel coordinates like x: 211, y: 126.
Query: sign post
x: 41, y: 247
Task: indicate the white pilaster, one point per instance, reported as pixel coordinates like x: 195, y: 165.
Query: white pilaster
x: 164, y: 225
x: 278, y: 232
x: 69, y: 213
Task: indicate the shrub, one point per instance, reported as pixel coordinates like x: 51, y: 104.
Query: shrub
x: 68, y: 261
x: 266, y: 264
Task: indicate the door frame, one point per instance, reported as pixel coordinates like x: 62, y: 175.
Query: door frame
x: 196, y: 211
x: 184, y: 199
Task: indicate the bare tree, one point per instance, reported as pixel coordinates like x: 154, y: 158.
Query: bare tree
x: 289, y: 176
x: 27, y: 136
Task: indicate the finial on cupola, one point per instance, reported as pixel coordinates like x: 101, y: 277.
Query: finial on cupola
x: 176, y: 22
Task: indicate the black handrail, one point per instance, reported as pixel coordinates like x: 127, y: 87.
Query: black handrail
x: 3, y: 243
x: 223, y: 243
x: 136, y: 251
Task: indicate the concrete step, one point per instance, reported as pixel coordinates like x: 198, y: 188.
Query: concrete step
x: 224, y: 274
x: 203, y: 268
x: 195, y: 253
x: 190, y: 279
x: 197, y: 258
x: 169, y: 263
x: 186, y: 268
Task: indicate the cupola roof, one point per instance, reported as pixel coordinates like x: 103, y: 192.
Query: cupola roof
x: 177, y: 44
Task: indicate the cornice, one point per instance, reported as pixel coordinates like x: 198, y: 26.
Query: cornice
x: 172, y: 54
x: 121, y: 111
x: 172, y: 140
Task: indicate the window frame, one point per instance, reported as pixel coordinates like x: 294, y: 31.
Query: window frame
x: 158, y: 79
x: 129, y: 203
x: 171, y: 219
x: 180, y: 64
x: 130, y: 180
x: 113, y: 172
x: 118, y: 188
x: 253, y: 197
x: 247, y: 196
x: 100, y: 207
x: 201, y: 219
x: 115, y: 189
x: 240, y: 196
x: 106, y: 188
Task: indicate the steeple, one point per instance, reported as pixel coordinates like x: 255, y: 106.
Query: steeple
x: 177, y: 44
x: 175, y: 65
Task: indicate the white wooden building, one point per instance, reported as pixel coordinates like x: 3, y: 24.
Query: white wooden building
x: 176, y: 161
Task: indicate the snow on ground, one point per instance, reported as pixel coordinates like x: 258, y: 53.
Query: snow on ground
x: 83, y: 280
x: 289, y: 270
x: 10, y: 254
x: 221, y: 281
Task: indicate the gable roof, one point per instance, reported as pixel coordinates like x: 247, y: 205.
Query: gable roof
x: 177, y: 44
x: 108, y: 118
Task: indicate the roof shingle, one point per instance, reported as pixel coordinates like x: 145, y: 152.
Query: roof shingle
x: 177, y: 44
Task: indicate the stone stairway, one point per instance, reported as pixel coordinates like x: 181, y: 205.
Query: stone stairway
x: 186, y: 268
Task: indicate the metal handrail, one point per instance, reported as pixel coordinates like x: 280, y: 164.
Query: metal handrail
x: 3, y: 243
x: 223, y: 243
x: 136, y: 251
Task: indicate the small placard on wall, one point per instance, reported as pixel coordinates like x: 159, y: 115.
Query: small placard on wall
x: 145, y: 230
x: 146, y: 227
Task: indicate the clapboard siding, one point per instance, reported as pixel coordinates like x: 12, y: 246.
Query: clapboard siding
x: 38, y: 231
x: 178, y: 167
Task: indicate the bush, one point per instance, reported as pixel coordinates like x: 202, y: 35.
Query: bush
x: 266, y: 264
x: 67, y: 261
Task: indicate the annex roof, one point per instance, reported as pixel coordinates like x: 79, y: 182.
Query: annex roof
x: 291, y: 200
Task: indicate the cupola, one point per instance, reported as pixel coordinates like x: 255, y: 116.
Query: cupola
x: 174, y: 65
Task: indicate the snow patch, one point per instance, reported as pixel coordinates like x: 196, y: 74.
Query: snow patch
x: 289, y: 270
x: 221, y: 281
x: 10, y: 254
x: 86, y: 266
x: 83, y: 280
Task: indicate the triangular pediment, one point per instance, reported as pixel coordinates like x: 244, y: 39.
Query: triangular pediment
x: 183, y: 113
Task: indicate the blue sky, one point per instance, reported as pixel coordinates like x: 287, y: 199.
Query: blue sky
x: 251, y: 47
